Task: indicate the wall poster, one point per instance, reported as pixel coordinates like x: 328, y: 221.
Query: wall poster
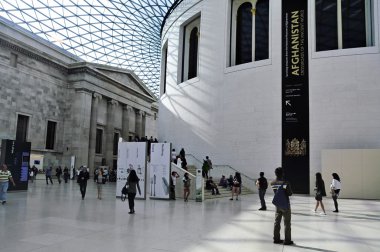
x: 295, y: 95
x: 160, y: 154
x: 131, y: 156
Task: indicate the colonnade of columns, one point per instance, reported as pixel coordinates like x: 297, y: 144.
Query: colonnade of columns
x: 127, y: 110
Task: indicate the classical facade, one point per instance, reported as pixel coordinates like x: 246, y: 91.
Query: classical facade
x: 68, y: 109
x: 231, y: 106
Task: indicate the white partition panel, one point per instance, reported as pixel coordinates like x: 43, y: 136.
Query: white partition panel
x: 358, y: 170
x: 131, y: 155
x: 160, y: 154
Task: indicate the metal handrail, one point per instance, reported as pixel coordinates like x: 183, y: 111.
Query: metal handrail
x: 219, y: 170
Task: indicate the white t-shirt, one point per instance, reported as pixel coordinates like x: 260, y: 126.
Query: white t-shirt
x: 336, y: 184
x: 174, y: 179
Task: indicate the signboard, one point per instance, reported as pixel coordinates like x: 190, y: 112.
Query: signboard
x: 16, y: 155
x: 160, y: 154
x: 131, y: 156
x: 295, y: 95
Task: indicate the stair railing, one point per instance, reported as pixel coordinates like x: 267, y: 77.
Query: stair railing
x: 226, y: 170
x: 218, y: 170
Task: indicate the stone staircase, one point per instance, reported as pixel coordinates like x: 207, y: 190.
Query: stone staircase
x: 224, y: 192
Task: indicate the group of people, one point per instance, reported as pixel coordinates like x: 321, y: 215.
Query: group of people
x: 181, y: 157
x: 282, y: 190
x: 186, y: 185
x: 58, y: 173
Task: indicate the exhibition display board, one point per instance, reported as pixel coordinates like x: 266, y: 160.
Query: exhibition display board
x: 131, y: 156
x: 159, y: 170
x: 16, y: 155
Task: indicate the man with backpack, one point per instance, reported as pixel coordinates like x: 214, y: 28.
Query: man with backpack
x: 282, y: 191
x: 262, y: 185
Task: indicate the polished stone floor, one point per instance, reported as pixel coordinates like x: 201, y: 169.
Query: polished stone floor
x: 53, y: 218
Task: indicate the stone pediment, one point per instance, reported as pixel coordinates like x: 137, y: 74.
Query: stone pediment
x: 125, y: 77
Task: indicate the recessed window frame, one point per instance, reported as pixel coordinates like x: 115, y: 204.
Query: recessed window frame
x: 164, y: 67
x: 99, y: 141
x: 235, y: 7
x: 51, y: 137
x: 25, y: 134
x: 346, y: 51
x: 116, y: 139
x: 231, y: 68
x: 186, y: 29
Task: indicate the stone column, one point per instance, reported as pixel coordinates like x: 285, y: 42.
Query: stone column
x: 125, y: 123
x: 138, y: 123
x: 80, y: 126
x: 143, y: 123
x: 93, y: 123
x: 110, y: 130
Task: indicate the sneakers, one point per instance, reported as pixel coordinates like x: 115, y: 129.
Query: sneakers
x: 336, y: 211
x: 278, y: 241
x: 314, y: 211
x: 263, y: 209
x: 323, y: 214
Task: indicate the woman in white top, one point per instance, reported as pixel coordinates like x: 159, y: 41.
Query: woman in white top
x: 335, y: 189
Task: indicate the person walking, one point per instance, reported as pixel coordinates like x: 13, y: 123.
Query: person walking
x: 5, y: 177
x: 335, y: 187
x: 82, y: 180
x: 186, y: 186
x: 236, y: 186
x: 320, y: 192
x: 262, y: 185
x: 99, y: 183
x: 276, y: 184
x: 58, y: 173
x: 48, y: 175
x: 133, y: 184
x: 173, y: 182
x: 31, y: 174
x: 66, y: 174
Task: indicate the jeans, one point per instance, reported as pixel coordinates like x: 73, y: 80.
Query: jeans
x: 335, y: 198
x: 3, y: 190
x: 261, y: 196
x: 277, y: 224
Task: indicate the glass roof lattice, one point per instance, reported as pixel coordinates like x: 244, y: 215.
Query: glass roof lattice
x: 121, y: 33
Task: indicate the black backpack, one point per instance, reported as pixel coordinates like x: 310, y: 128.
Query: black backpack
x: 264, y: 183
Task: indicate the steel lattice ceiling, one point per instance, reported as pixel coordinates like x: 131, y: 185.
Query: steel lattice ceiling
x: 122, y: 33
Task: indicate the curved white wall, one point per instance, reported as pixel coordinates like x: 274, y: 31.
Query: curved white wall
x: 233, y: 114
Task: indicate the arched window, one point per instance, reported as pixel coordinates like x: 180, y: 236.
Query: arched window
x: 244, y: 34
x: 262, y: 30
x: 190, y: 49
x: 341, y: 24
x: 193, y: 53
x: 249, y: 31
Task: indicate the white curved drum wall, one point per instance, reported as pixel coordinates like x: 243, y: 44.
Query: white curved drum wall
x: 233, y: 114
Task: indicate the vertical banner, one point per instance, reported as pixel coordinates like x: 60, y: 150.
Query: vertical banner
x: 295, y: 95
x: 131, y: 156
x: 160, y: 154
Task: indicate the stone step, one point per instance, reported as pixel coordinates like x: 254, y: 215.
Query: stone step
x: 224, y: 193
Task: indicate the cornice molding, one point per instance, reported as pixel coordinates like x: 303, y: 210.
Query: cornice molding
x: 35, y: 56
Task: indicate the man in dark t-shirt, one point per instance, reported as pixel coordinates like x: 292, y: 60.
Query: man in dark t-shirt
x: 262, y: 185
